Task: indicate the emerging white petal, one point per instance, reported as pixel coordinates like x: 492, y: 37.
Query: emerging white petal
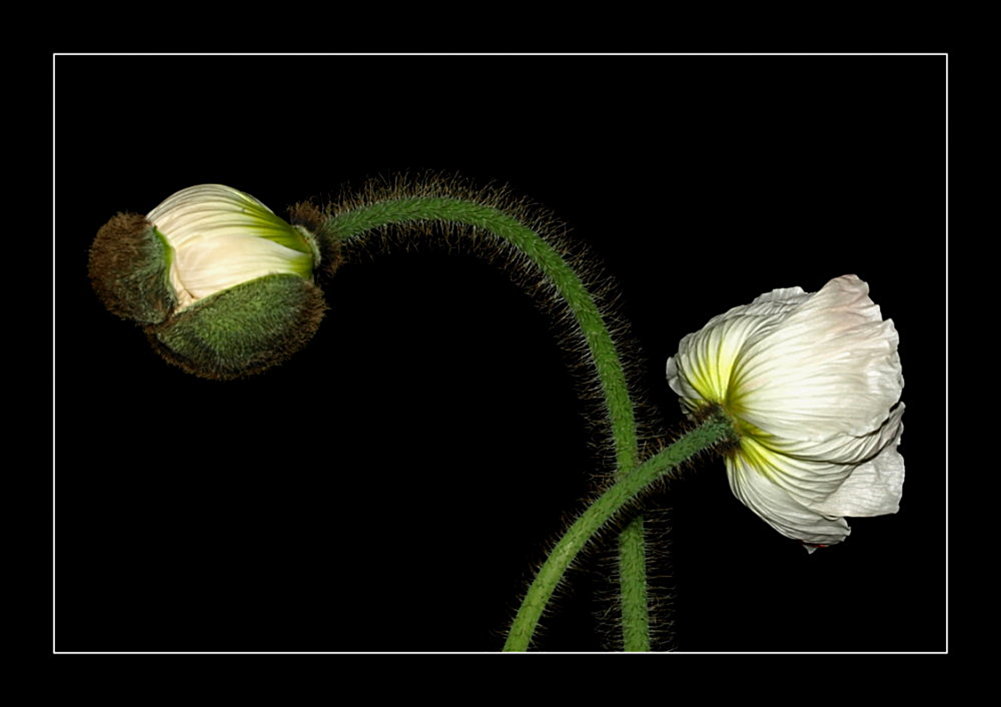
x: 222, y: 237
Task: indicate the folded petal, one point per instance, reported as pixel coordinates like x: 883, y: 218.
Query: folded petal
x: 813, y: 472
x: 873, y: 488
x: 845, y: 448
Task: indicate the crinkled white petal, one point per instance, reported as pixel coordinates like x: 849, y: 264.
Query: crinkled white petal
x: 829, y: 367
x: 222, y: 237
x: 781, y: 510
x: 807, y: 480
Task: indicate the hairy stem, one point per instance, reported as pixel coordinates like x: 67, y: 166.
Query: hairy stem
x: 605, y: 358
x: 552, y: 265
x: 633, y: 598
x: 599, y: 514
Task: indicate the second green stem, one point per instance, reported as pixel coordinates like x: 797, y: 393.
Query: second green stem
x: 715, y: 429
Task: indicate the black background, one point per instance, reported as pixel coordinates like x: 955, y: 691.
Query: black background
x: 393, y: 486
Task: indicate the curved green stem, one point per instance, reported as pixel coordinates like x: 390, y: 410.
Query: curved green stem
x: 550, y: 263
x: 605, y: 358
x: 715, y: 429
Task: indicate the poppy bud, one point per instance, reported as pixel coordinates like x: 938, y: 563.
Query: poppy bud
x: 223, y: 286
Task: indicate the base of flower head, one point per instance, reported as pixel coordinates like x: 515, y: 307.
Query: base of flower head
x: 312, y: 223
x: 128, y: 268
x: 243, y: 330
x: 716, y: 412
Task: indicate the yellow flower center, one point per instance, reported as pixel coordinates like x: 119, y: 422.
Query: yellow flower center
x: 712, y: 376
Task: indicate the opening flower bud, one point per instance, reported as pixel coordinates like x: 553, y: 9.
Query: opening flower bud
x: 223, y: 286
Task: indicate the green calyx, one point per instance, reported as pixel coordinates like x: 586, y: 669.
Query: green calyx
x: 128, y: 267
x: 242, y: 330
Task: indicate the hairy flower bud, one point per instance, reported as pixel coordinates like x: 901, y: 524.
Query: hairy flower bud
x: 223, y: 286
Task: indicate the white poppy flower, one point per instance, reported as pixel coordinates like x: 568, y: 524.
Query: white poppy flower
x: 812, y: 382
x: 221, y: 237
